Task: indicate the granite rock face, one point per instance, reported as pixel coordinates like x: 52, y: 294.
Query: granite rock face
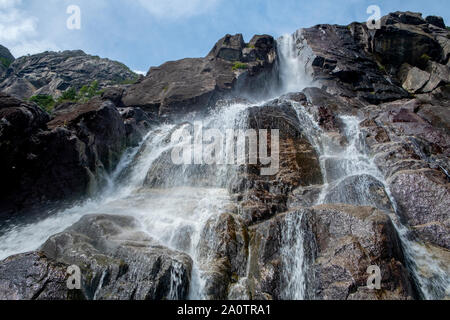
x: 192, y: 85
x: 341, y: 242
x: 52, y: 73
x: 117, y: 262
x: 59, y: 158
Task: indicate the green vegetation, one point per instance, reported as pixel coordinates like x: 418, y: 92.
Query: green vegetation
x: 83, y: 95
x: 382, y: 68
x: 130, y: 81
x: 423, y: 61
x: 87, y: 92
x: 251, y: 46
x: 240, y: 66
x: 425, y: 57
x: 46, y: 102
x: 5, y: 62
x: 448, y: 28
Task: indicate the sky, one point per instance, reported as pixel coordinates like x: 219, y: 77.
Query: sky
x: 145, y: 33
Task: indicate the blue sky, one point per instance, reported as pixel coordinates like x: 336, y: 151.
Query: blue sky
x: 144, y: 33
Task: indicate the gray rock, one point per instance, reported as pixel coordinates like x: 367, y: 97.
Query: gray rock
x: 440, y: 76
x: 416, y: 80
x: 223, y: 253
x: 341, y: 241
x: 54, y: 72
x: 193, y: 85
x: 423, y: 199
x: 360, y: 190
x: 32, y: 276
x: 116, y: 259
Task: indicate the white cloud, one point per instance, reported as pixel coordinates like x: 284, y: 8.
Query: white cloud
x: 140, y: 72
x: 173, y: 9
x: 18, y: 30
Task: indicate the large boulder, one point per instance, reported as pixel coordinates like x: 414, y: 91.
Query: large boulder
x: 52, y: 73
x: 192, y: 85
x: 423, y: 199
x: 223, y: 254
x: 45, y: 161
x: 341, y: 64
x: 335, y: 244
x: 263, y: 196
x: 117, y: 262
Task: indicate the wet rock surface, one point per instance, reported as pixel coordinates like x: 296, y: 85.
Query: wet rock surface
x: 62, y: 157
x: 337, y: 236
x: 394, y: 81
x: 117, y: 262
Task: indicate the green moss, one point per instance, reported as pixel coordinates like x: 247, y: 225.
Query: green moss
x: 425, y: 57
x: 239, y: 66
x: 251, y: 46
x: 382, y: 68
x: 5, y: 62
x: 46, y: 102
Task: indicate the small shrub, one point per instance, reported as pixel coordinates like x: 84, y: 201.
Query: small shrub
x: 5, y: 62
x: 240, y: 66
x: 46, y: 102
x: 68, y: 95
x: 423, y: 61
x: 382, y: 68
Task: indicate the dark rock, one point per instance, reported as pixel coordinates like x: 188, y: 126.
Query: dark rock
x: 229, y: 48
x: 61, y: 160
x: 32, y: 276
x: 436, y: 21
x: 264, y: 196
x: 337, y: 58
x: 223, y: 252
x: 193, y: 85
x: 117, y: 262
x: 341, y: 241
x: 99, y: 125
x: 137, y: 124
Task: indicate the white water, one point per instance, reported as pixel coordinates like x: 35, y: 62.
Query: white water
x: 293, y: 73
x: 351, y: 160
x: 176, y: 216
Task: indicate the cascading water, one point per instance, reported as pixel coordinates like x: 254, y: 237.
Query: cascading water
x: 176, y: 214
x: 339, y: 163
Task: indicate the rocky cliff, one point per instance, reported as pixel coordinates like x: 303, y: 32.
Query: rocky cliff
x: 363, y: 178
x: 52, y: 73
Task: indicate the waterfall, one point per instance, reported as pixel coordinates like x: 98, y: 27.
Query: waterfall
x: 175, y: 215
x: 352, y: 160
x: 293, y: 58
